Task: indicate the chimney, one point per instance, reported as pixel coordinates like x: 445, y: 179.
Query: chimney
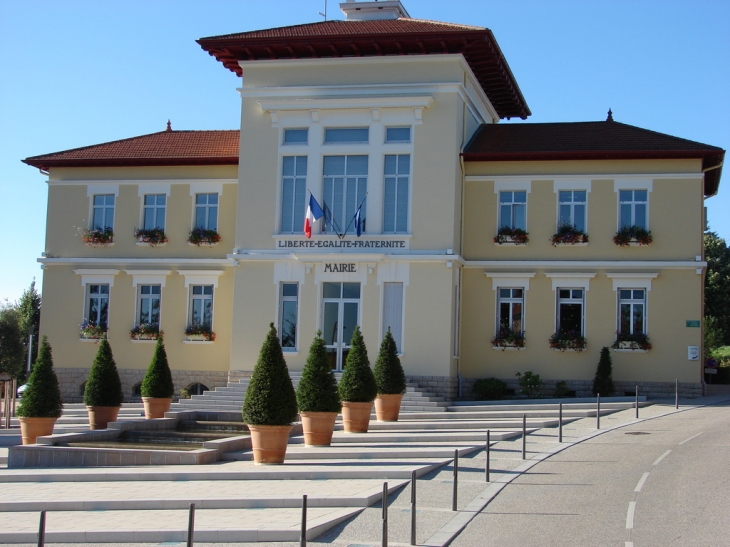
x: 370, y: 11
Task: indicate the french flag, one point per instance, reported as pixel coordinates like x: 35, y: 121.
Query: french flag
x: 314, y: 213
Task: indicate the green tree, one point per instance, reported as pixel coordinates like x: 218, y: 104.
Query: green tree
x: 717, y: 283
x: 270, y: 397
x: 603, y: 381
x: 357, y: 384
x: 317, y: 390
x: 42, y: 397
x: 29, y: 310
x: 389, y: 376
x: 158, y: 378
x: 11, y: 344
x: 103, y: 388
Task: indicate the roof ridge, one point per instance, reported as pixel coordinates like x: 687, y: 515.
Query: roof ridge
x: 431, y: 21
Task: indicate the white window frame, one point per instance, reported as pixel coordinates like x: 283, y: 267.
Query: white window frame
x: 345, y: 142
x: 285, y: 131
x: 191, y: 303
x: 572, y: 204
x: 395, y: 179
x: 564, y: 280
x: 297, y: 209
x: 87, y: 302
x: 395, y: 141
x: 632, y: 280
x: 642, y: 184
x: 511, y: 299
x: 359, y: 196
x: 195, y: 278
x: 205, y: 188
x: 632, y: 302
x: 95, y: 277
x: 151, y: 296
x: 156, y: 208
x: 105, y: 208
x: 282, y: 299
x: 571, y: 300
x: 512, y: 186
x: 207, y: 207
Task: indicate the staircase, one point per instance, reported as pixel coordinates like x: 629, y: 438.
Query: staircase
x: 230, y: 398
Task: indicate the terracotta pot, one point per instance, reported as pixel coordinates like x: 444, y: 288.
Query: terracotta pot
x: 155, y: 407
x: 32, y: 428
x: 269, y: 443
x: 356, y: 416
x: 318, y: 427
x: 387, y: 407
x: 100, y: 416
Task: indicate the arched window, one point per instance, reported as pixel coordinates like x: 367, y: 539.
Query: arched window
x: 197, y: 389
x: 137, y: 390
x: 82, y: 389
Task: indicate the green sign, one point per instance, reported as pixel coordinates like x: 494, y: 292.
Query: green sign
x: 695, y: 324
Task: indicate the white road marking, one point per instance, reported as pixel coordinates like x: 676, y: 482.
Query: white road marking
x: 641, y: 482
x: 660, y: 458
x: 629, y: 544
x: 630, y: 515
x: 692, y: 437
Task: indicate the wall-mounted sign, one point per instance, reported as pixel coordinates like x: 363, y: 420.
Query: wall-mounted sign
x: 693, y: 353
x: 693, y: 323
x: 341, y: 244
x: 340, y: 268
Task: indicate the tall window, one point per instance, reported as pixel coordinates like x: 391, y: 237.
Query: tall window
x: 393, y: 312
x: 632, y: 306
x: 154, y: 211
x: 572, y: 209
x: 206, y: 211
x: 513, y: 210
x: 103, y: 214
x: 97, y: 311
x: 570, y: 310
x: 345, y: 186
x: 149, y: 305
x: 395, y: 203
x: 201, y: 305
x: 289, y: 303
x: 633, y: 208
x: 293, y: 194
x: 510, y: 306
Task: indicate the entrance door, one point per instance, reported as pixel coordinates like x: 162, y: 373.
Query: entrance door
x: 340, y: 314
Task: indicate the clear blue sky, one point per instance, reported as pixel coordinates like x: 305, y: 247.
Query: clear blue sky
x: 81, y: 72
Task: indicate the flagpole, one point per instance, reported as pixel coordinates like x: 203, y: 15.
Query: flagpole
x: 353, y: 216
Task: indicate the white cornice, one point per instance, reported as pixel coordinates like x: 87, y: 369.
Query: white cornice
x: 571, y: 265
x: 150, y: 262
x: 274, y: 105
x: 139, y: 182
x: 582, y: 177
x: 274, y: 256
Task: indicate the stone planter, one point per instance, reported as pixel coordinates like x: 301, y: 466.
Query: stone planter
x: 100, y: 416
x: 387, y: 407
x: 356, y: 416
x: 155, y: 407
x: 318, y: 427
x: 32, y: 428
x: 268, y: 443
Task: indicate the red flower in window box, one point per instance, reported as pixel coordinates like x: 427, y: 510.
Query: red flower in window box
x: 632, y: 234
x: 511, y: 235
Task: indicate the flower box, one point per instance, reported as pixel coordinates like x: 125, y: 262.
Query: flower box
x: 199, y: 333
x: 98, y: 237
x: 145, y: 331
x: 202, y: 237
x: 568, y: 341
x: 569, y: 235
x: 152, y: 237
x: 632, y: 235
x: 90, y: 331
x: 508, y: 339
x: 511, y: 236
x: 631, y: 342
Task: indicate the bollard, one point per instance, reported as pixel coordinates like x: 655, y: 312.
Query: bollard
x: 637, y: 402
x: 385, y: 514
x: 560, y: 422
x: 455, y: 495
x: 303, y: 532
x: 486, y: 465
x: 676, y: 394
x: 191, y: 524
x: 524, y: 436
x: 413, y: 507
x: 598, y: 411
x: 42, y: 530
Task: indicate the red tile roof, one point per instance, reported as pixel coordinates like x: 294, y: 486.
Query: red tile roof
x: 163, y: 148
x: 588, y: 141
x: 395, y: 37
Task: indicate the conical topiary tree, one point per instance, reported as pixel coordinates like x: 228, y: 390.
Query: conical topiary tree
x: 389, y: 376
x: 357, y: 384
x: 103, y: 388
x: 603, y: 382
x: 317, y: 389
x: 270, y: 397
x: 157, y: 381
x: 42, y: 397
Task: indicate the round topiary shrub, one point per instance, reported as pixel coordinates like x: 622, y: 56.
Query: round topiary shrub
x: 357, y: 384
x: 158, y: 378
x: 42, y: 397
x: 489, y: 389
x: 270, y: 397
x: 389, y: 376
x: 317, y: 389
x: 103, y: 388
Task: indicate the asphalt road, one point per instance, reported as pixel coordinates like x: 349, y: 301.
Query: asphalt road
x: 662, y: 482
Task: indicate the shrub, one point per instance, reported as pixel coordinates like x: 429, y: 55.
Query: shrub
x: 489, y: 389
x: 270, y: 397
x: 530, y: 383
x: 42, y: 397
x: 185, y: 393
x: 158, y: 378
x: 317, y: 390
x: 561, y: 389
x: 603, y: 382
x: 357, y: 384
x: 389, y: 376
x: 103, y: 388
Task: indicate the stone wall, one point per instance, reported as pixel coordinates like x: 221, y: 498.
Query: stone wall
x: 238, y: 375
x: 71, y: 379
x: 440, y: 386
